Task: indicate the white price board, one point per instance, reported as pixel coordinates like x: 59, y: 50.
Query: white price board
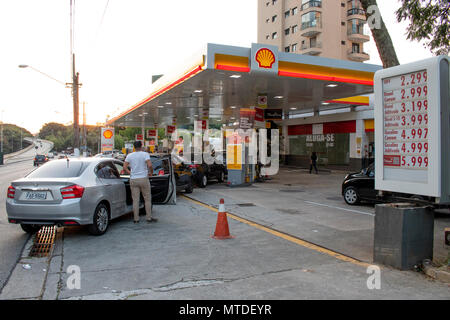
x: 410, y: 147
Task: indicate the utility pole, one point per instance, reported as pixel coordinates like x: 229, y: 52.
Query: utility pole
x: 75, y: 87
x: 84, y: 127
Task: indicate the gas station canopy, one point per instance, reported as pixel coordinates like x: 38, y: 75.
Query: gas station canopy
x: 224, y: 79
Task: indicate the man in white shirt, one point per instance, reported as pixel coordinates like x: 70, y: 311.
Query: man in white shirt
x: 141, y: 168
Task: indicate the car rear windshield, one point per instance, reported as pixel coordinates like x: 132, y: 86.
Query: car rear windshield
x: 40, y: 156
x: 60, y: 169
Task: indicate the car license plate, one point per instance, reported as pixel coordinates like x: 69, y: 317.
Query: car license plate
x: 36, y: 195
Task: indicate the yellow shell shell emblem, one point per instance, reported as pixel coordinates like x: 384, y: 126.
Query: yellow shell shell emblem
x: 265, y: 58
x: 108, y: 134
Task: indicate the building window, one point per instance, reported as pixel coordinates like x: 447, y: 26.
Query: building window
x: 287, y: 49
x: 355, y: 26
x: 311, y: 3
x: 355, y: 48
x: 343, y: 23
x: 294, y: 11
x: 343, y: 43
x: 274, y: 18
x: 267, y: 37
x: 286, y: 32
x: 274, y: 2
x: 274, y: 35
x: 287, y: 14
x: 311, y: 19
x: 267, y: 4
x: 294, y: 29
x: 267, y: 20
x: 294, y: 47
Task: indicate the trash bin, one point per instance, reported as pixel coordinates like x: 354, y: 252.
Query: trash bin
x: 403, y: 235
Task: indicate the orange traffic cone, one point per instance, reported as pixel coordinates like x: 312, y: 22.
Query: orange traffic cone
x: 222, y: 231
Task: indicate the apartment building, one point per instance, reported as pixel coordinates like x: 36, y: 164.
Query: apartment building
x: 326, y: 28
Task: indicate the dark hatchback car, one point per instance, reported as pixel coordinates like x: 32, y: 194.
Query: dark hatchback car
x: 39, y: 159
x: 360, y: 186
x: 203, y: 172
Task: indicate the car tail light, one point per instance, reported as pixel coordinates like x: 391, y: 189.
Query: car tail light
x: 72, y: 192
x: 11, y: 192
x: 194, y: 166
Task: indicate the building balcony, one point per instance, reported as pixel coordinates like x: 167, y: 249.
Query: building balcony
x: 311, y: 49
x: 356, y: 13
x: 311, y: 29
x: 313, y: 4
x: 357, y: 56
x: 357, y: 35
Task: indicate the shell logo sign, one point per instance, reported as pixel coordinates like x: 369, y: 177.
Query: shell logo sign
x: 108, y: 134
x: 265, y: 58
x: 107, y: 139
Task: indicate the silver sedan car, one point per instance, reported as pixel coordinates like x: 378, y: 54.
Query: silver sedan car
x: 82, y: 191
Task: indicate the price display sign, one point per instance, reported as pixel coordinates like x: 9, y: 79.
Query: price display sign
x: 408, y: 128
x: 405, y: 100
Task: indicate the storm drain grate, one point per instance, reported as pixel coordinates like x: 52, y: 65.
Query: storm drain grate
x: 43, y: 242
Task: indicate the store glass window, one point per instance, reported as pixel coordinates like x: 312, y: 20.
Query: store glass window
x: 332, y: 148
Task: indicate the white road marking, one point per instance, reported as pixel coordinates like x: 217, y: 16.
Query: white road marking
x: 334, y: 207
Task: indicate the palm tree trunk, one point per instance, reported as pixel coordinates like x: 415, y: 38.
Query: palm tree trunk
x: 382, y: 39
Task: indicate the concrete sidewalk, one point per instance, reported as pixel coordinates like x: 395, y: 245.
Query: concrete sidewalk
x: 176, y: 258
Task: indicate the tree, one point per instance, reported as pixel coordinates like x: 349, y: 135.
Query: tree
x: 380, y: 34
x: 429, y: 21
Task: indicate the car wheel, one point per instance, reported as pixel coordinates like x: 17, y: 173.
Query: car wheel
x: 100, y: 220
x: 351, y: 196
x: 30, y: 228
x: 203, y: 181
x: 221, y: 177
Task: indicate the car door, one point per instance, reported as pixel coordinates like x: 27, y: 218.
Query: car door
x: 181, y: 172
x: 113, y: 187
x: 162, y: 181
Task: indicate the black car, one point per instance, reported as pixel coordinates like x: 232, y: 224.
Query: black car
x: 39, y: 159
x: 183, y: 176
x: 204, y: 172
x: 360, y: 186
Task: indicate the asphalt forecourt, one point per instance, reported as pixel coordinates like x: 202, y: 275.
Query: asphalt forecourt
x: 311, y: 207
x: 178, y: 258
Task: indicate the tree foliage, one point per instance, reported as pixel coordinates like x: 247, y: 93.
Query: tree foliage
x: 429, y: 21
x: 11, y: 138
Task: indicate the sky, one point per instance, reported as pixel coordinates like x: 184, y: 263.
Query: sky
x: 119, y: 45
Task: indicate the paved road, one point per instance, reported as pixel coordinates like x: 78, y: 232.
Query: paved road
x: 12, y: 238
